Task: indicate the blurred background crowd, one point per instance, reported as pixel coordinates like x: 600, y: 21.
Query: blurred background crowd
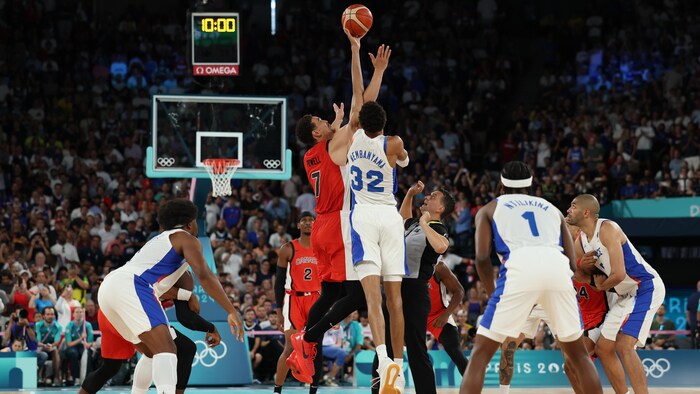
x: 605, y: 100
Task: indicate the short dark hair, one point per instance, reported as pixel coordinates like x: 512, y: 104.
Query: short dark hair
x: 448, y: 202
x: 372, y: 117
x: 516, y: 170
x: 305, y: 129
x: 176, y: 212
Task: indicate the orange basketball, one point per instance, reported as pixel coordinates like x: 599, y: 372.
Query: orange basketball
x: 357, y: 19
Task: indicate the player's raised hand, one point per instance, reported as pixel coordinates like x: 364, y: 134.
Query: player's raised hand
x: 354, y: 41
x: 381, y: 61
x: 339, y: 115
x: 236, y: 325
x: 417, y: 188
x: 588, y: 260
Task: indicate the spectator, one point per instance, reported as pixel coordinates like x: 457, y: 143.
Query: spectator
x: 42, y: 299
x: 660, y: 323
x: 79, y: 339
x: 278, y: 209
x: 333, y: 349
x: 220, y: 234
x: 93, y: 252
x: 250, y: 325
x: 48, y: 333
x: 280, y: 237
x: 65, y: 305
x: 65, y: 252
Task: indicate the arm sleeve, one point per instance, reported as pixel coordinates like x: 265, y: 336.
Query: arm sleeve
x: 190, y: 319
x: 279, y: 286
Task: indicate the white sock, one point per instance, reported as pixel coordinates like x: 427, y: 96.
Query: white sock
x: 381, y: 351
x: 165, y: 372
x: 399, y: 361
x: 505, y: 389
x: 143, y: 375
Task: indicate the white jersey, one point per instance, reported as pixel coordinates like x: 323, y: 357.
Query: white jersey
x: 157, y: 261
x: 521, y: 221
x: 637, y: 269
x: 372, y: 180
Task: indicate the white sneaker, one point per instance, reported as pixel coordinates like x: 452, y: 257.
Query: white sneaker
x: 389, y: 373
x: 400, y: 384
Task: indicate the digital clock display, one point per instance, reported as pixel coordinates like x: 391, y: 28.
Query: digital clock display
x: 215, y: 39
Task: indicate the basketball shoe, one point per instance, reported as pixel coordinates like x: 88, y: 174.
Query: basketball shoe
x: 305, y: 354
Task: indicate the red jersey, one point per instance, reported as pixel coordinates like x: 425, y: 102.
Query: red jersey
x: 438, y: 297
x: 302, y: 273
x: 326, y: 178
x: 593, y: 304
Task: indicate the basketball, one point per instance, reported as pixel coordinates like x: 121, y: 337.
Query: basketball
x: 357, y: 19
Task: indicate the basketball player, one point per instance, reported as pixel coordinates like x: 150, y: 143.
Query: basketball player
x: 297, y: 286
x: 639, y: 288
x: 325, y: 168
x: 426, y: 238
x: 529, y: 235
x: 126, y: 295
x: 378, y: 249
x: 115, y: 349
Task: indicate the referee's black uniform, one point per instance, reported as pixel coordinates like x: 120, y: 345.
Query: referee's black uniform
x: 420, y: 258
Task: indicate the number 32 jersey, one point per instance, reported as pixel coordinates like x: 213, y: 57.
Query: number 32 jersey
x: 521, y: 221
x: 372, y: 179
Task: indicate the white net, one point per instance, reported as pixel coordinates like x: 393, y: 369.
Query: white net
x: 221, y: 171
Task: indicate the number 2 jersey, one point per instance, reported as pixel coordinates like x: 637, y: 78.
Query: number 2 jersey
x: 521, y: 221
x: 372, y: 179
x: 302, y: 273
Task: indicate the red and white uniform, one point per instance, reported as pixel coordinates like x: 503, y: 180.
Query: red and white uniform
x: 302, y: 286
x: 439, y: 300
x: 330, y: 235
x: 594, y: 304
x: 114, y: 346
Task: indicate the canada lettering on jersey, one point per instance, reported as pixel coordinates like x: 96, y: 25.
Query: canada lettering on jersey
x: 363, y: 154
x: 526, y: 203
x: 305, y: 260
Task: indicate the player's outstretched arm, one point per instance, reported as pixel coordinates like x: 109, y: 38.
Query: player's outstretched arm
x: 396, y: 152
x: 283, y: 256
x: 483, y: 238
x: 192, y: 251
x: 186, y: 312
x: 453, y: 287
x: 406, y: 210
x: 568, y: 243
x: 338, y: 146
x: 612, y: 237
x: 380, y: 63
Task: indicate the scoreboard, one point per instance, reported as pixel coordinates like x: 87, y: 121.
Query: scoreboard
x: 215, y: 43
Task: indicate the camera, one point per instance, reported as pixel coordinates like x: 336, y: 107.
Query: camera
x: 21, y: 314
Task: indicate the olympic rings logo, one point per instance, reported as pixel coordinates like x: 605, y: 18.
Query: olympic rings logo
x: 165, y: 161
x: 271, y: 163
x: 208, y: 356
x: 656, y: 368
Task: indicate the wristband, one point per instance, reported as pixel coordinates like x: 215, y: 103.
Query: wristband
x: 184, y: 295
x: 403, y: 163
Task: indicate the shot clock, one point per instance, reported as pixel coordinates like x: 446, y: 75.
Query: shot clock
x: 215, y: 43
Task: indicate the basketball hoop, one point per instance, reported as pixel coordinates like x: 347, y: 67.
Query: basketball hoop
x: 221, y: 171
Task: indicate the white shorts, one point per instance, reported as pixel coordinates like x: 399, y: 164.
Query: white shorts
x: 532, y: 324
x: 530, y: 276
x: 350, y: 272
x: 378, y: 247
x: 130, y: 305
x: 632, y: 313
x: 593, y: 334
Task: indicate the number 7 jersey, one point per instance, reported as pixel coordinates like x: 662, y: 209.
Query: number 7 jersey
x: 521, y: 221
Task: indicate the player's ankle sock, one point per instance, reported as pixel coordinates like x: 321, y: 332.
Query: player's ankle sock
x: 313, y: 389
x: 143, y: 375
x: 399, y: 361
x: 505, y: 389
x: 277, y: 389
x: 165, y: 372
x: 381, y: 352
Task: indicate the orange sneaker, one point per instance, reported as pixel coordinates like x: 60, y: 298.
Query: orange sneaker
x: 294, y: 367
x: 306, y: 353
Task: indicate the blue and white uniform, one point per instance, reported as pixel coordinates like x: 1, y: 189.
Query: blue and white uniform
x: 640, y: 294
x: 376, y: 227
x: 534, y: 270
x: 129, y: 295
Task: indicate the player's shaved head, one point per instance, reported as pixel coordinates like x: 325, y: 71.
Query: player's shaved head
x: 589, y: 202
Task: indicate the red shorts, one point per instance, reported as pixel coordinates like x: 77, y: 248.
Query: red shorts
x: 113, y: 345
x: 296, y: 310
x: 436, y: 331
x: 329, y: 247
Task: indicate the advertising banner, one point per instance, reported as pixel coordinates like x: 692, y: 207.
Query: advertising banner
x: 18, y: 370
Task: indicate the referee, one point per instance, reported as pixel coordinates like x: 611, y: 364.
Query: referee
x: 426, y: 239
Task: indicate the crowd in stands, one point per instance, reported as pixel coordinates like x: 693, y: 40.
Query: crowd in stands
x: 618, y: 116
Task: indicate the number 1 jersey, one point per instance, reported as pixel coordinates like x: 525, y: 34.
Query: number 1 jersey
x: 521, y: 221
x: 372, y: 179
